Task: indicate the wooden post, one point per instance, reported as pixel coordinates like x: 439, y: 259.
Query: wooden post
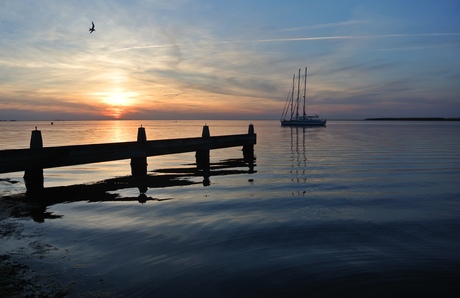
x: 248, y: 150
x: 202, y: 156
x: 33, y: 176
x: 139, y: 163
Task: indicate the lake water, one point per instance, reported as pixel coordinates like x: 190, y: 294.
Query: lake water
x: 357, y: 208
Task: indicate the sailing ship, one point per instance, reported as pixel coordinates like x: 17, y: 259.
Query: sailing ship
x: 291, y: 116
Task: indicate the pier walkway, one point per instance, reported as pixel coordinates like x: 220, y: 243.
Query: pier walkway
x: 33, y: 160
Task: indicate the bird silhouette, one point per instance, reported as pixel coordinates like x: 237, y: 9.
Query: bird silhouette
x: 91, y: 30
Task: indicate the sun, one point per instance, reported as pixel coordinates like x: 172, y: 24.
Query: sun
x: 119, y: 98
x: 116, y: 102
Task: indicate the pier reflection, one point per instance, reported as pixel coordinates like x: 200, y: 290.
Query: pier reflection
x: 35, y: 205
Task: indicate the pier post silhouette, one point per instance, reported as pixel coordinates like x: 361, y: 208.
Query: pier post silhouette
x: 33, y: 175
x: 202, y: 157
x: 139, y: 162
x: 248, y: 150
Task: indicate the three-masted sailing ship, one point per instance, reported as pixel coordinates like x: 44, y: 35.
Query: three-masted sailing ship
x: 291, y: 114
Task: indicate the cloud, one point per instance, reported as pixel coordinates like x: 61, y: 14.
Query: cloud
x: 380, y: 36
x: 240, y: 62
x: 310, y: 38
x: 328, y: 25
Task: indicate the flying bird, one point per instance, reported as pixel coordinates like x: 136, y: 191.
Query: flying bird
x: 91, y: 30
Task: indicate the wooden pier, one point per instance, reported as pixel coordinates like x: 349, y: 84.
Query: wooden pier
x: 33, y: 160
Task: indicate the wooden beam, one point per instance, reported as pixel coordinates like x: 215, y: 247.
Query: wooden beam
x: 50, y: 157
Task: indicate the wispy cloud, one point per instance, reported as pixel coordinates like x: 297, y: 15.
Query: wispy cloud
x: 293, y: 39
x: 142, y: 47
x: 377, y: 36
x: 329, y: 25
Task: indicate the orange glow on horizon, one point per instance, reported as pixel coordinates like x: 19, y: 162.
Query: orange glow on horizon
x: 114, y: 112
x: 116, y: 101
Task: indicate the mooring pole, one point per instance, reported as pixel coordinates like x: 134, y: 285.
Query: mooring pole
x: 248, y: 150
x: 139, y: 163
x: 202, y: 155
x: 33, y: 176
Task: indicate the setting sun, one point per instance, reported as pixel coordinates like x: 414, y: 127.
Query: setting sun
x: 116, y: 101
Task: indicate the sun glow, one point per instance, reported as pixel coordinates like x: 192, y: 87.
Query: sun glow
x: 119, y: 98
x: 116, y: 101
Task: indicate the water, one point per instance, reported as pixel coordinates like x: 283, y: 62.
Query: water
x: 356, y: 208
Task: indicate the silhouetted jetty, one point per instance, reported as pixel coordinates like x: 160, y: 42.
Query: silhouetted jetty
x: 33, y: 160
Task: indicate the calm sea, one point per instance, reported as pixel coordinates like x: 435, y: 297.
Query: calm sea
x: 356, y: 208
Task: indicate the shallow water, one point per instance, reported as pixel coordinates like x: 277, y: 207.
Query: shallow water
x: 355, y: 208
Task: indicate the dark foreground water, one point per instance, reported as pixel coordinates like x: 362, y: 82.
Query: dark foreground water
x: 355, y: 209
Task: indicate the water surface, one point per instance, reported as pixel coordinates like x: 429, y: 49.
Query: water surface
x: 355, y: 208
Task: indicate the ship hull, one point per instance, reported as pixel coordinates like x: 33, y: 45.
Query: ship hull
x: 303, y: 122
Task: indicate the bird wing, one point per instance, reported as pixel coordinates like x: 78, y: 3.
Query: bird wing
x: 93, y: 25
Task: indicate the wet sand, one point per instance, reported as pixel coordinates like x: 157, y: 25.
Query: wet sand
x: 17, y: 276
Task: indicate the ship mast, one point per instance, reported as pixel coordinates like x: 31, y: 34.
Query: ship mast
x: 304, y: 92
x: 298, y: 95
x: 292, y: 96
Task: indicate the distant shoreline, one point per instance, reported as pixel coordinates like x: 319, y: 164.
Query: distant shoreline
x: 332, y: 119
x: 414, y: 119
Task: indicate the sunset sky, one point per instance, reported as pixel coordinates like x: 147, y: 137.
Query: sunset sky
x: 196, y: 59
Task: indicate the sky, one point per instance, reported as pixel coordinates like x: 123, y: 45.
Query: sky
x: 197, y: 59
